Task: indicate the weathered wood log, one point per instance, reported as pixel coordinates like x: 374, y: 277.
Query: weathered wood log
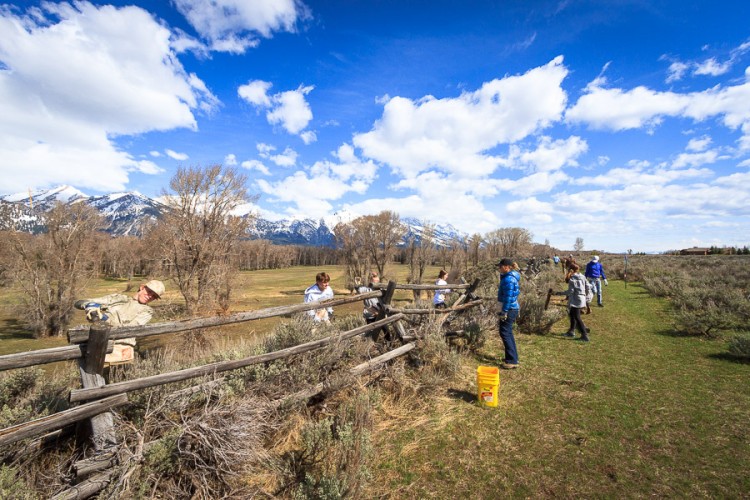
x: 221, y: 366
x: 43, y: 356
x: 460, y: 307
x: 356, y: 371
x: 95, y: 463
x: 549, y: 296
x: 87, y: 488
x: 452, y: 286
x: 59, y: 420
x: 80, y: 334
x: 101, y: 427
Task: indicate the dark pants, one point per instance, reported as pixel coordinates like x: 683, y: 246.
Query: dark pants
x: 574, y: 313
x: 506, y: 334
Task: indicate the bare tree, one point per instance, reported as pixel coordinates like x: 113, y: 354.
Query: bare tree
x: 199, y: 232
x: 508, y: 242
x: 578, y: 246
x: 51, y: 268
x: 420, y: 252
x: 369, y: 240
x: 474, y: 246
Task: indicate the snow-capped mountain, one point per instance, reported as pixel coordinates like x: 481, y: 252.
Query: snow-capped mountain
x: 129, y: 213
x: 126, y: 214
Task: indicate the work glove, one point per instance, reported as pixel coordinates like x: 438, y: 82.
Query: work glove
x: 606, y: 283
x: 94, y: 312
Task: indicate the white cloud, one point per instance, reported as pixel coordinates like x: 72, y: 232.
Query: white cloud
x: 456, y: 134
x: 549, y: 155
x: 695, y: 159
x: 531, y: 210
x: 311, y: 191
x: 256, y: 165
x: 698, y: 144
x: 230, y: 160
x: 256, y: 93
x: 114, y: 74
x: 234, y: 25
x: 175, y: 155
x: 288, y: 109
x: 155, y: 154
x: 286, y: 159
x: 712, y: 67
x: 676, y: 71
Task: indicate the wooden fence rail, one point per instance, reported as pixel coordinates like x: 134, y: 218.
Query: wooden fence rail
x: 80, y: 334
x: 59, y: 420
x: 91, y: 344
x: 221, y: 366
x: 43, y: 356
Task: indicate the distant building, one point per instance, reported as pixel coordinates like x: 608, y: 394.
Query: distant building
x: 695, y: 251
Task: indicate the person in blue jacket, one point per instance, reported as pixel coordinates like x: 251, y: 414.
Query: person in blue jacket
x: 595, y: 275
x: 507, y: 297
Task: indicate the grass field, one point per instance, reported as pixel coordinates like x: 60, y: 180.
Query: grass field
x: 637, y: 412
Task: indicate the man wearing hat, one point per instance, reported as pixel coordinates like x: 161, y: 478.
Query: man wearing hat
x: 595, y: 275
x: 507, y: 297
x: 120, y: 310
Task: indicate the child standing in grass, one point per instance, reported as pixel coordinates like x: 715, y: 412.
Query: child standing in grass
x: 578, y: 292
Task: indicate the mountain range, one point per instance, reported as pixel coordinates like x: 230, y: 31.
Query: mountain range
x: 128, y: 213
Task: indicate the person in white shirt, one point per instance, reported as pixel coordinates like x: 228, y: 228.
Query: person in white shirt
x: 321, y: 290
x: 438, y: 300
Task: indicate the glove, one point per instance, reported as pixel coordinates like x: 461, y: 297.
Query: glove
x: 94, y: 312
x: 606, y: 283
x: 502, y: 316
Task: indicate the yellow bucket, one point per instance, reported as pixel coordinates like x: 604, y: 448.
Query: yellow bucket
x: 488, y: 380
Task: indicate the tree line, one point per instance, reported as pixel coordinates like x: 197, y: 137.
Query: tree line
x: 199, y: 243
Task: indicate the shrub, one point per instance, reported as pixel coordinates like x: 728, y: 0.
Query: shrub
x: 13, y: 486
x: 740, y: 346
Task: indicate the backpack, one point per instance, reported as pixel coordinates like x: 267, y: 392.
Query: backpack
x: 589, y: 292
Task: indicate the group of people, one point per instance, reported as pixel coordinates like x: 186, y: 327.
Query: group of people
x: 121, y: 310
x: 580, y: 292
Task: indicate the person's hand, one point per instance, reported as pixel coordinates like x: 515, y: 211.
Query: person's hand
x: 606, y: 283
x: 502, y: 316
x: 94, y: 312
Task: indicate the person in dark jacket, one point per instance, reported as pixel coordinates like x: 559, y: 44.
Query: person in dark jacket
x: 595, y: 275
x: 507, y: 297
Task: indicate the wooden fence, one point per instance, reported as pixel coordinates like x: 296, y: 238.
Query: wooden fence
x: 89, y: 345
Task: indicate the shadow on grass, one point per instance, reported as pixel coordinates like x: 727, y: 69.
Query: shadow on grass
x: 14, y: 329
x: 461, y: 395
x: 293, y: 292
x: 732, y: 358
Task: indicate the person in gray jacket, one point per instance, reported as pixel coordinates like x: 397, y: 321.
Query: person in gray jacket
x: 579, y: 294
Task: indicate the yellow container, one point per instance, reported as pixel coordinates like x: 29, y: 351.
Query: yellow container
x: 488, y: 380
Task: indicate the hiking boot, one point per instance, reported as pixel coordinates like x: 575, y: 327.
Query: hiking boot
x: 508, y: 366
x: 569, y: 334
x: 601, y: 305
x: 584, y: 338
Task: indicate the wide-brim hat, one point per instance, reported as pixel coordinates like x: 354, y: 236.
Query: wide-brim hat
x: 156, y: 287
x: 595, y: 258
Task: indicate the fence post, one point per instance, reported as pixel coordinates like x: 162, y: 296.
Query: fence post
x: 101, y: 427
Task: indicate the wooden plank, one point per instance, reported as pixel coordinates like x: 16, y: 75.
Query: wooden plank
x: 59, y: 420
x: 357, y: 370
x: 549, y: 296
x: 452, y: 286
x: 222, y: 366
x: 43, y: 356
x: 95, y: 463
x: 87, y: 488
x: 100, y: 428
x: 460, y: 307
x: 78, y: 335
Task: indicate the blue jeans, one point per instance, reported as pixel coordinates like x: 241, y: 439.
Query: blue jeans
x: 596, y: 286
x: 506, y: 334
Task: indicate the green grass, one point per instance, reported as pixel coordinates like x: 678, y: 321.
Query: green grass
x: 636, y: 412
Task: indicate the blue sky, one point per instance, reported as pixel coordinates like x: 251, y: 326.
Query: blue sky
x: 625, y: 123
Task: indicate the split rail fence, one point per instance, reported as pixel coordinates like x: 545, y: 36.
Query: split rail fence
x: 95, y: 399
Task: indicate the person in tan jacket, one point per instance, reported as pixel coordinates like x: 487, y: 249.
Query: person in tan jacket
x: 120, y: 310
